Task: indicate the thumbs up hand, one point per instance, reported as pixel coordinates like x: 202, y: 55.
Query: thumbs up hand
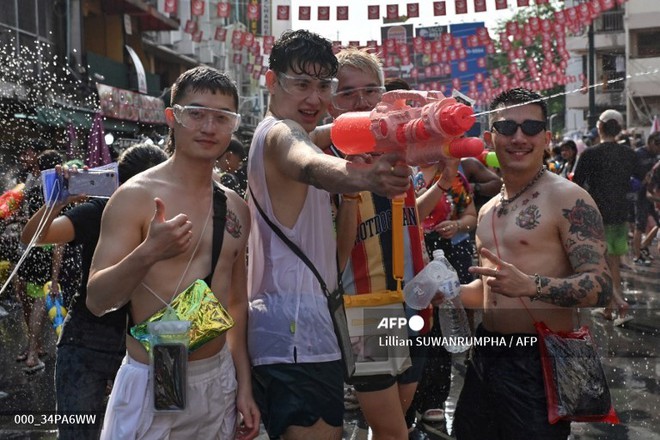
x: 169, y: 238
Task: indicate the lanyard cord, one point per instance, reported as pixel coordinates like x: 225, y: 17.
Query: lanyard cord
x: 185, y: 271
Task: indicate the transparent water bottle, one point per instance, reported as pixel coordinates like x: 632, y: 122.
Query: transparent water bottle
x: 437, y: 276
x: 454, y: 324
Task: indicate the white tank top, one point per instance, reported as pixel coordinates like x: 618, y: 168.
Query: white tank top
x: 289, y: 321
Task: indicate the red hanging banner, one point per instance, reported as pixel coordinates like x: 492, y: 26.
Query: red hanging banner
x: 220, y: 34
x: 439, y: 8
x: 392, y: 11
x: 501, y: 4
x: 304, y: 13
x: 170, y: 6
x: 413, y: 10
x: 223, y: 9
x: 237, y: 38
x: 342, y: 12
x: 191, y: 27
x: 522, y: 3
x: 373, y: 12
x: 323, y: 13
x: 461, y: 6
x: 479, y: 6
x: 606, y: 5
x: 248, y: 39
x: 197, y: 36
x: 283, y: 12
x: 252, y: 11
x: 197, y: 7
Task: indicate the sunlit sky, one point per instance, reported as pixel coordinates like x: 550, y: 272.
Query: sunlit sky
x: 358, y: 27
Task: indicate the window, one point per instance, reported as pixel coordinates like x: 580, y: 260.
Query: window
x: 648, y: 44
x: 8, y: 13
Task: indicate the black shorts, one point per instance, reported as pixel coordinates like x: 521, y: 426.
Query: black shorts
x: 299, y: 394
x: 503, y: 396
x: 381, y: 382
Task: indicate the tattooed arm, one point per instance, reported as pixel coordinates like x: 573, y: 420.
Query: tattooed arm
x: 293, y: 154
x: 583, y: 235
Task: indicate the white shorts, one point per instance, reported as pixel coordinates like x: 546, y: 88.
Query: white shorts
x: 211, y: 403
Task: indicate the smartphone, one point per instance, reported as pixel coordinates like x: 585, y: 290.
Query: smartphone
x: 169, y: 376
x: 54, y: 187
x: 93, y: 183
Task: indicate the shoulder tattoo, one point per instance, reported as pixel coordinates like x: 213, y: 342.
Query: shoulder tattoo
x: 232, y: 224
x: 585, y: 221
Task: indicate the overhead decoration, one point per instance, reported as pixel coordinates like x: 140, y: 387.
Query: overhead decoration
x: 342, y: 12
x: 304, y: 13
x: 444, y: 54
x: 223, y: 9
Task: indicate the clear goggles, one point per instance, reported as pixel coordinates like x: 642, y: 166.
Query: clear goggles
x: 194, y: 117
x: 302, y: 86
x: 349, y: 98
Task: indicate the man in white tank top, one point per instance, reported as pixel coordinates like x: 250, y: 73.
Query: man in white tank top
x: 297, y: 374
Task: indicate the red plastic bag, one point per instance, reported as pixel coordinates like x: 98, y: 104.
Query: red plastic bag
x: 575, y: 383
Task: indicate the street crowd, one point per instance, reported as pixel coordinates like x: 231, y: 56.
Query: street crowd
x: 263, y: 235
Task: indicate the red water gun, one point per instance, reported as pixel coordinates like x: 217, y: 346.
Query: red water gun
x: 427, y: 133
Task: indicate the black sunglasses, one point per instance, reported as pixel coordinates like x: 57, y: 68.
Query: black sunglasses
x: 528, y: 126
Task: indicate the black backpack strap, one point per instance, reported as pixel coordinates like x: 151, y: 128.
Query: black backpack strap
x: 296, y: 250
x: 219, y: 220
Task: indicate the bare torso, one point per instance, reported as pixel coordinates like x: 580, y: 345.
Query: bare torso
x: 528, y: 236
x: 169, y: 277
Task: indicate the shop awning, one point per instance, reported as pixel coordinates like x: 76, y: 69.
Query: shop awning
x: 60, y: 117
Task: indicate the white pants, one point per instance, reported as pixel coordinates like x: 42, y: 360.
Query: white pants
x: 210, y: 411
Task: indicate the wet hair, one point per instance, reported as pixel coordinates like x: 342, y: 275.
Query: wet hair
x: 138, y: 158
x: 517, y: 96
x: 48, y: 159
x: 611, y: 128
x: 200, y: 79
x: 303, y: 52
x: 361, y: 60
x: 396, y: 84
x: 235, y: 146
x: 569, y: 144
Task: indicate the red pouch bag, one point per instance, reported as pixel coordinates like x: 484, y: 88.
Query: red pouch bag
x: 575, y: 383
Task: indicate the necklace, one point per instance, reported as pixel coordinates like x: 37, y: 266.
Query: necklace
x: 504, y: 203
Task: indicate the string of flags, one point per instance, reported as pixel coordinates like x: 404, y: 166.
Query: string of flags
x: 516, y: 41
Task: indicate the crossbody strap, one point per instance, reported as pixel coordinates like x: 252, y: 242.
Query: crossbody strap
x: 296, y: 250
x: 219, y: 220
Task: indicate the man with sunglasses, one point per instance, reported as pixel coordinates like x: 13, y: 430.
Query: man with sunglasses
x: 542, y: 254
x: 161, y: 232
x: 297, y: 373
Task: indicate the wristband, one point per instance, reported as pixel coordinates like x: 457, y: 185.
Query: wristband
x: 443, y: 189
